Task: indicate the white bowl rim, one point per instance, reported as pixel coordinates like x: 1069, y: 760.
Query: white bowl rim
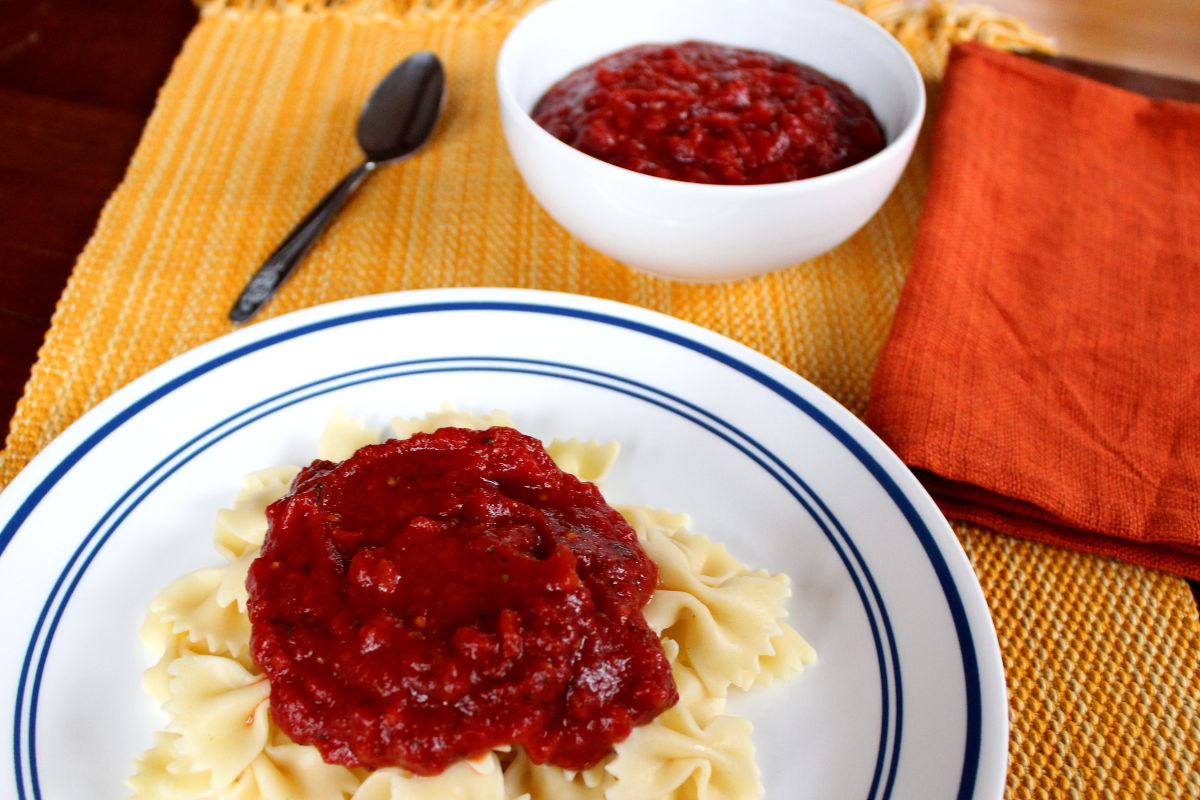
x: 908, y: 132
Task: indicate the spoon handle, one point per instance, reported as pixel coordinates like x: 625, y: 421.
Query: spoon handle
x: 280, y: 263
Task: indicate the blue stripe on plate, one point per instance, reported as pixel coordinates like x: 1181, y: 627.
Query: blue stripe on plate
x: 890, y: 736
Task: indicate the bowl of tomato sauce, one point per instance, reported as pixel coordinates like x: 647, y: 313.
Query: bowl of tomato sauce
x: 708, y: 140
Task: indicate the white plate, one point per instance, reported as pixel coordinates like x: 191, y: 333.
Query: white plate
x: 907, y: 700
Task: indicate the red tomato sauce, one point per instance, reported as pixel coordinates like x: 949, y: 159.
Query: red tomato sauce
x: 431, y: 598
x: 707, y: 113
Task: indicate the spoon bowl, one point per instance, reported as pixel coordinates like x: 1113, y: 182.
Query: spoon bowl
x: 401, y: 112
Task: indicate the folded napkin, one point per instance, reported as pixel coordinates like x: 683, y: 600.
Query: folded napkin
x: 1042, y: 375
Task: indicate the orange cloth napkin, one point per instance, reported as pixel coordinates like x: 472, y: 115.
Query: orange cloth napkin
x: 1042, y: 375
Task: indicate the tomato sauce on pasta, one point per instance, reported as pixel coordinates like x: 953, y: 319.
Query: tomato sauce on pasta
x: 429, y: 599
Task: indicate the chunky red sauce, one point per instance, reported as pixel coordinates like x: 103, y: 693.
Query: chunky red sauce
x: 429, y: 599
x: 708, y: 113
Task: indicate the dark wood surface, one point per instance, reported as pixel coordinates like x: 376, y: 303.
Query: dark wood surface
x: 78, y: 79
x: 1149, y: 84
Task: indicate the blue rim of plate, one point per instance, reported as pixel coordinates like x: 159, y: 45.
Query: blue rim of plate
x: 25, y: 714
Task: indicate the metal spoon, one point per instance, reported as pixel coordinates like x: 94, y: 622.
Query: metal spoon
x: 396, y: 120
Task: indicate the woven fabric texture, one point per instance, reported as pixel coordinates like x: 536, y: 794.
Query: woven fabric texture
x: 256, y: 121
x: 1065, y: 290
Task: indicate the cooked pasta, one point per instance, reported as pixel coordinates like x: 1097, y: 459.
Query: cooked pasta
x: 478, y: 779
x: 219, y: 709
x: 721, y: 625
x: 191, y: 606
x: 240, y: 530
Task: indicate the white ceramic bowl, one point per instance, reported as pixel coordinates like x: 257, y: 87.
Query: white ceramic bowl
x: 704, y: 232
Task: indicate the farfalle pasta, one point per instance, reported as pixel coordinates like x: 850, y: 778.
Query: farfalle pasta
x: 192, y: 606
x: 720, y: 623
x: 727, y: 618
x: 220, y: 711
x: 240, y: 530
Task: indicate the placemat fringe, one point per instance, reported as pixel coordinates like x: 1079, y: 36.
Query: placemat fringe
x: 372, y: 9
x: 926, y: 29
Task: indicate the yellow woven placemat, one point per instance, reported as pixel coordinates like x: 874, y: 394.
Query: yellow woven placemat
x: 256, y: 122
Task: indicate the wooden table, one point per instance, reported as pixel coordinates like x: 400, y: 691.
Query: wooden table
x: 78, y: 79
x: 1160, y: 36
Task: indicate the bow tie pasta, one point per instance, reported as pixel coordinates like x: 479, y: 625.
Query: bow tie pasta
x: 720, y: 624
